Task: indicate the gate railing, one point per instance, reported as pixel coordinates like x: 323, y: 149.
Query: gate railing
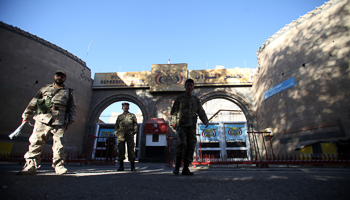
x: 170, y: 155
x: 260, y: 156
x: 98, y: 153
x: 47, y: 157
x: 95, y: 153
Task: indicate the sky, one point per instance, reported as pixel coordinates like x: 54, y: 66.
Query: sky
x: 129, y: 36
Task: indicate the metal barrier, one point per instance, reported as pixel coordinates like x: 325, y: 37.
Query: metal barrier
x: 100, y: 153
x: 170, y: 156
x: 96, y: 153
x: 47, y: 157
x: 263, y: 155
x: 19, y: 157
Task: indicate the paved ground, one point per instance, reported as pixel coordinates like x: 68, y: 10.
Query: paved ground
x: 154, y: 181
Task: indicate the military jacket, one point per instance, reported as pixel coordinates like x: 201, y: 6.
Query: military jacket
x: 126, y: 122
x: 56, y: 115
x: 185, y: 111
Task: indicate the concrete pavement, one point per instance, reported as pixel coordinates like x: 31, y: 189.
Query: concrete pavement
x: 155, y: 181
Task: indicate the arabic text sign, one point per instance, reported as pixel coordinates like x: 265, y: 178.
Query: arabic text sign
x: 168, y: 77
x: 122, y: 79
x: 280, y: 87
x: 209, y: 134
x: 221, y: 77
x: 235, y: 132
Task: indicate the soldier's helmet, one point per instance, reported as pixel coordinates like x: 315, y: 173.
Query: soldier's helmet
x: 125, y: 104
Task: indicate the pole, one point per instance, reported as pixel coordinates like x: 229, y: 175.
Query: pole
x: 87, y: 51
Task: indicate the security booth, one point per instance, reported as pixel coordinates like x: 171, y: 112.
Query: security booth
x: 225, y: 140
x: 156, y: 131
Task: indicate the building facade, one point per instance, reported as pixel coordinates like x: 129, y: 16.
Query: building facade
x: 300, y: 89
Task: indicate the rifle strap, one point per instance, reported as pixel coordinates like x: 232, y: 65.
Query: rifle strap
x: 56, y: 92
x: 69, y: 99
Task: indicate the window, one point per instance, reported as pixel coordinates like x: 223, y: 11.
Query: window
x: 155, y: 137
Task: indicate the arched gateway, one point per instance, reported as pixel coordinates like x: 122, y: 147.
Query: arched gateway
x: 154, y: 92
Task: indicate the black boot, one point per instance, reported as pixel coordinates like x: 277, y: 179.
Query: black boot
x: 185, y: 170
x: 133, y: 166
x: 177, y: 167
x: 121, y: 166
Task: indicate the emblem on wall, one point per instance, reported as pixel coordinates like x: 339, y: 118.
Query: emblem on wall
x: 104, y: 133
x: 208, y: 132
x: 168, y: 77
x: 235, y: 131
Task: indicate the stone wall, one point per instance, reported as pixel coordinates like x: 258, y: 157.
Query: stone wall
x: 27, y: 63
x: 315, y: 51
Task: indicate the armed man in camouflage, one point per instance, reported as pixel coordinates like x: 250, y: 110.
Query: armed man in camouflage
x: 125, y: 129
x: 184, y: 119
x: 55, y: 109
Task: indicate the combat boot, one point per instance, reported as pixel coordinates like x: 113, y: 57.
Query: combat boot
x: 185, y: 170
x: 133, y: 166
x: 177, y: 167
x: 121, y: 166
x: 29, y: 168
x: 60, y: 170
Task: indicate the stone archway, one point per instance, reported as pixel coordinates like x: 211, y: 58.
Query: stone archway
x: 104, y: 103
x: 235, y: 98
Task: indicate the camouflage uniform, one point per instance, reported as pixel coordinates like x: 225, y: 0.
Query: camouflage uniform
x: 184, y: 114
x: 51, y: 123
x: 125, y: 129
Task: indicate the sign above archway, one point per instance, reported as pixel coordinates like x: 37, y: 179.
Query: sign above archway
x: 121, y: 80
x: 172, y: 77
x: 213, y: 77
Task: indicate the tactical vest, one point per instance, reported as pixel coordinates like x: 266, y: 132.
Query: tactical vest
x: 44, y: 105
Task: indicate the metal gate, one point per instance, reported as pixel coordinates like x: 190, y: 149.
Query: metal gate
x: 100, y: 152
x: 260, y: 153
x: 223, y: 140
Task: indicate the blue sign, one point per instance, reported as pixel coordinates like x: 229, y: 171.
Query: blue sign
x: 280, y: 87
x: 104, y: 132
x: 209, y: 134
x: 235, y: 132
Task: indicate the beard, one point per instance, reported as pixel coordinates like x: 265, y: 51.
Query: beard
x: 59, y: 81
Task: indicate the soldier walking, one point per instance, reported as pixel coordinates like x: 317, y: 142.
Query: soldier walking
x: 55, y: 107
x: 125, y: 129
x: 184, y: 119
